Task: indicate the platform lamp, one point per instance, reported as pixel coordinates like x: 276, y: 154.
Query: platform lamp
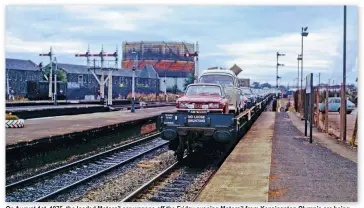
x: 133, y: 82
x: 304, y: 33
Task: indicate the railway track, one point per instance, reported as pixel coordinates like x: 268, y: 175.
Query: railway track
x: 47, y: 185
x: 182, y: 181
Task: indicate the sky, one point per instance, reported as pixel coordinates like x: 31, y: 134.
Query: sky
x: 249, y: 36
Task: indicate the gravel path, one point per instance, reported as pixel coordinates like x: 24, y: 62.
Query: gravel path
x: 302, y: 171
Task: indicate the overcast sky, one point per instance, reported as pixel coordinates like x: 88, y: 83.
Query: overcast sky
x: 249, y: 36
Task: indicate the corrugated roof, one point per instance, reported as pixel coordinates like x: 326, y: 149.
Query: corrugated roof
x: 148, y: 72
x: 19, y: 64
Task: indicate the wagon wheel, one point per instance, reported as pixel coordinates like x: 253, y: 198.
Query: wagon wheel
x: 180, y: 149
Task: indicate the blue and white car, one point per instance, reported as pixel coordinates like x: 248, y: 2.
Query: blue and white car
x: 335, y: 104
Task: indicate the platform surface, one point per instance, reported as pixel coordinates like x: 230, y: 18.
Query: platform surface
x: 43, y: 107
x: 53, y: 126
x: 244, y: 176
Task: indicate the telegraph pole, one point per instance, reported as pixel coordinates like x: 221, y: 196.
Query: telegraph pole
x: 343, y: 98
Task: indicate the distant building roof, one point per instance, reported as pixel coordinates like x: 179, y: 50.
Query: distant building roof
x: 148, y: 72
x: 19, y: 64
x: 82, y: 69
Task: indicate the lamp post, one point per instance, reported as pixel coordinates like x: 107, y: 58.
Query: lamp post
x: 299, y: 58
x: 304, y: 33
x: 278, y: 64
x: 133, y: 82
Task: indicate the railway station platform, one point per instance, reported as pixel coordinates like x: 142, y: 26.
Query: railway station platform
x: 47, y: 128
x: 274, y: 162
x: 42, y: 107
x: 29, y: 112
x: 246, y: 169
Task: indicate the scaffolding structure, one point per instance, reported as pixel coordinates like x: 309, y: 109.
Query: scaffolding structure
x: 103, y: 69
x: 164, y: 56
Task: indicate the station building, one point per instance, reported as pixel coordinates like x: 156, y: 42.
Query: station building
x: 19, y: 72
x: 79, y: 81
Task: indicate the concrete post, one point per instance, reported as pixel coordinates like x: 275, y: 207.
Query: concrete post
x: 342, y: 113
x: 50, y: 95
x: 327, y: 110
x: 318, y: 107
x: 109, y: 94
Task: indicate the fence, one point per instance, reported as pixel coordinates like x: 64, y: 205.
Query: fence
x: 329, y: 120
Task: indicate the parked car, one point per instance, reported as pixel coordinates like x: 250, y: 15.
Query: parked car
x: 247, y: 92
x: 244, y: 101
x: 335, y: 104
x: 202, y: 96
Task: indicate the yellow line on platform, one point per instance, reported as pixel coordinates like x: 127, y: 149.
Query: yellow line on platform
x: 244, y: 176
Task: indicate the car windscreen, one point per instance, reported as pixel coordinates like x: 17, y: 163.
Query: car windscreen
x: 224, y: 80
x: 204, y: 90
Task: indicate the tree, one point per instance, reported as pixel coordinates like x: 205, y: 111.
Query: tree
x: 189, y: 80
x: 173, y: 89
x: 61, y: 75
x: 256, y: 84
x: 282, y: 87
x: 265, y: 85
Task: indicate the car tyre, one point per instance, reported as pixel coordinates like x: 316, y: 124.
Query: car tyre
x: 348, y: 112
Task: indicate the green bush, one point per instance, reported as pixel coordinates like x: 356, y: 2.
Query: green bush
x: 11, y: 117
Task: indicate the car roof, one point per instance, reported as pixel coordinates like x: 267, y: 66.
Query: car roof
x: 210, y: 84
x: 219, y: 71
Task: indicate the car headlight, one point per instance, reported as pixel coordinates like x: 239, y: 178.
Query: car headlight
x: 213, y: 105
x: 183, y: 105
